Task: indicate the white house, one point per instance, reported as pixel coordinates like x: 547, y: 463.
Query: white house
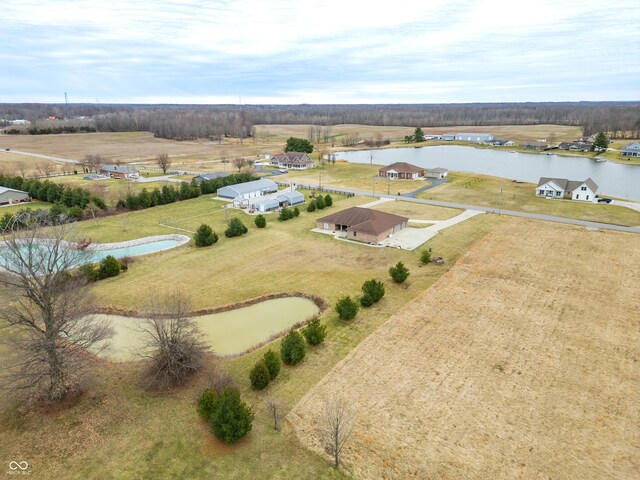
x: 563, y: 188
x: 438, y: 172
x: 631, y: 150
x: 292, y: 160
x: 119, y: 171
x: 474, y: 137
x: 245, y: 190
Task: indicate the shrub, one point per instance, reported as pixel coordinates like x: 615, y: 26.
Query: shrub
x: 285, y: 214
x: 292, y: 348
x: 109, y: 267
x: 311, y: 207
x: 374, y: 289
x: 314, y: 332
x: 235, y: 228
x: 205, y: 236
x: 366, y: 300
x: 75, y: 212
x: 261, y: 221
x: 231, y: 418
x: 296, y: 212
x: 425, y: 256
x: 399, y: 272
x: 272, y: 362
x: 328, y: 201
x: 320, y: 204
x: 259, y: 375
x: 207, y: 403
x: 347, y: 308
x: 90, y: 272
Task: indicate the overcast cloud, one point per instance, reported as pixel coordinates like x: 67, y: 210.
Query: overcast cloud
x: 333, y: 51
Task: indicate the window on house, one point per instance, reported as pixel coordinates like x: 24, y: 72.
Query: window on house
x: 584, y: 189
x: 558, y: 194
x: 577, y: 196
x: 541, y: 192
x: 587, y: 197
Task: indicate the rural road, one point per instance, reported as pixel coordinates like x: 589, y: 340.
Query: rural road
x: 511, y: 213
x: 46, y: 157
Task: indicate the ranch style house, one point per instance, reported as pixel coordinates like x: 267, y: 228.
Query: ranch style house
x: 363, y: 224
x: 563, y: 188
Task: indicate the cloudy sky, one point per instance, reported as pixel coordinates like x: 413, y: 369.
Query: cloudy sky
x: 313, y: 51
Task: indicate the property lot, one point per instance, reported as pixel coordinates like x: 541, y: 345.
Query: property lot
x: 516, y: 364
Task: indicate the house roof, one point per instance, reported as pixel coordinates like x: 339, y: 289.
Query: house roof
x: 7, y: 189
x: 269, y: 202
x: 211, y: 176
x: 569, y: 185
x: 632, y: 147
x: 247, y: 187
x: 364, y: 220
x: 118, y: 168
x: 402, y: 167
x: 294, y: 158
x: 290, y: 196
x: 476, y: 134
x: 437, y: 170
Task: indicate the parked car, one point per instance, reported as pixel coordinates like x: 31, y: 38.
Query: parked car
x: 604, y: 200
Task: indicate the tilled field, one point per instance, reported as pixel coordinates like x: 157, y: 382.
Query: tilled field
x: 520, y: 363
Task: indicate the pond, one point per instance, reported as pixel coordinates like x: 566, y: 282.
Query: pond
x: 615, y: 179
x: 230, y: 333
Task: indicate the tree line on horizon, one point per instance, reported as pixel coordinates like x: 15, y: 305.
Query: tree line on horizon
x: 186, y: 122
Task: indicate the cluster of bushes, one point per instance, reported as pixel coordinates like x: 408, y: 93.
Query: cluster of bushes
x: 319, y: 203
x: 108, y: 267
x: 170, y: 194
x: 56, y: 215
x: 51, y: 130
x: 372, y: 292
x: 293, y: 349
x: 288, y: 213
x: 229, y: 417
x: 47, y: 191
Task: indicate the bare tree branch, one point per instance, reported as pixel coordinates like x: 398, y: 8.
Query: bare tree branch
x: 164, y: 162
x: 335, y: 427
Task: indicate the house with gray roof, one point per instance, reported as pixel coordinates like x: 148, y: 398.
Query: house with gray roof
x: 11, y: 196
x: 559, y: 188
x: 210, y: 176
x: 247, y: 190
x: 474, y: 137
x: 119, y: 171
x: 631, y: 150
x: 437, y: 172
x: 292, y: 161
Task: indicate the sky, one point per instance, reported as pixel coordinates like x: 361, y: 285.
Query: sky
x: 319, y: 51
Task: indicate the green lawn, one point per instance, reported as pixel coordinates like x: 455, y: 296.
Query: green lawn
x: 118, y: 431
x: 16, y: 208
x: 496, y: 192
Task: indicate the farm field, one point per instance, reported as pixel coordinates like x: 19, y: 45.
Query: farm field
x: 517, y: 363
x: 118, y: 431
x: 500, y: 193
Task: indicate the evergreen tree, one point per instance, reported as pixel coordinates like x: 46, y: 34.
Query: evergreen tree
x: 235, y: 228
x: 347, y: 308
x: 601, y: 141
x: 418, y: 135
x: 298, y: 145
x: 292, y: 348
x: 231, y: 418
x: 328, y: 201
x: 314, y: 332
x: 311, y: 206
x: 399, y: 272
x: 272, y: 362
x: 320, y: 204
x: 205, y: 236
x: 260, y: 221
x: 259, y: 376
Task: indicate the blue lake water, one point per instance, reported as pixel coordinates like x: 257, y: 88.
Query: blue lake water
x: 615, y: 179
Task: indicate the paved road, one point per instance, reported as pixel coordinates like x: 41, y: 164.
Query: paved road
x: 434, y: 183
x: 511, y: 213
x: 46, y: 157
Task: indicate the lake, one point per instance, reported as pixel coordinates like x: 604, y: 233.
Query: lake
x: 614, y: 179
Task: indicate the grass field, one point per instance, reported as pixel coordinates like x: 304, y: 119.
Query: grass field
x: 519, y: 363
x: 118, y: 431
x: 484, y: 190
x: 12, y: 209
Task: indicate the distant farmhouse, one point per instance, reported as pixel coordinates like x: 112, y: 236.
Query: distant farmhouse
x: 247, y: 190
x: 438, y: 172
x: 631, y: 150
x: 292, y: 161
x: 531, y: 145
x: 433, y: 137
x: 119, y: 171
x: 563, y: 188
x: 11, y: 196
x: 500, y: 143
x: 210, y: 176
x: 401, y: 171
x: 474, y: 137
x: 363, y: 224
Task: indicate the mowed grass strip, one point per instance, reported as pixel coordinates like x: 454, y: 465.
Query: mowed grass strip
x: 521, y: 362
x: 118, y: 431
x: 500, y: 193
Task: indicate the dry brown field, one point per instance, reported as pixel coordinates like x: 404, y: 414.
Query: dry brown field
x: 521, y: 362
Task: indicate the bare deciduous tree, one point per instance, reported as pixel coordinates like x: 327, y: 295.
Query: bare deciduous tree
x: 335, y: 427
x: 250, y: 162
x: 172, y: 341
x: 164, y: 162
x: 22, y: 168
x: 45, y: 168
x: 50, y: 337
x: 239, y: 163
x: 94, y: 163
x: 273, y: 408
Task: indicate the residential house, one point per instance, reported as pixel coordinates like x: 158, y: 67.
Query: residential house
x: 438, y: 172
x: 363, y: 224
x: 247, y: 190
x: 292, y: 161
x: 11, y: 196
x: 119, y: 171
x: 563, y: 188
x: 501, y: 143
x: 474, y: 137
x: 433, y: 137
x: 272, y: 202
x: 631, y: 150
x: 578, y: 146
x: 531, y: 145
x: 448, y: 137
x: 401, y: 171
x: 209, y: 176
